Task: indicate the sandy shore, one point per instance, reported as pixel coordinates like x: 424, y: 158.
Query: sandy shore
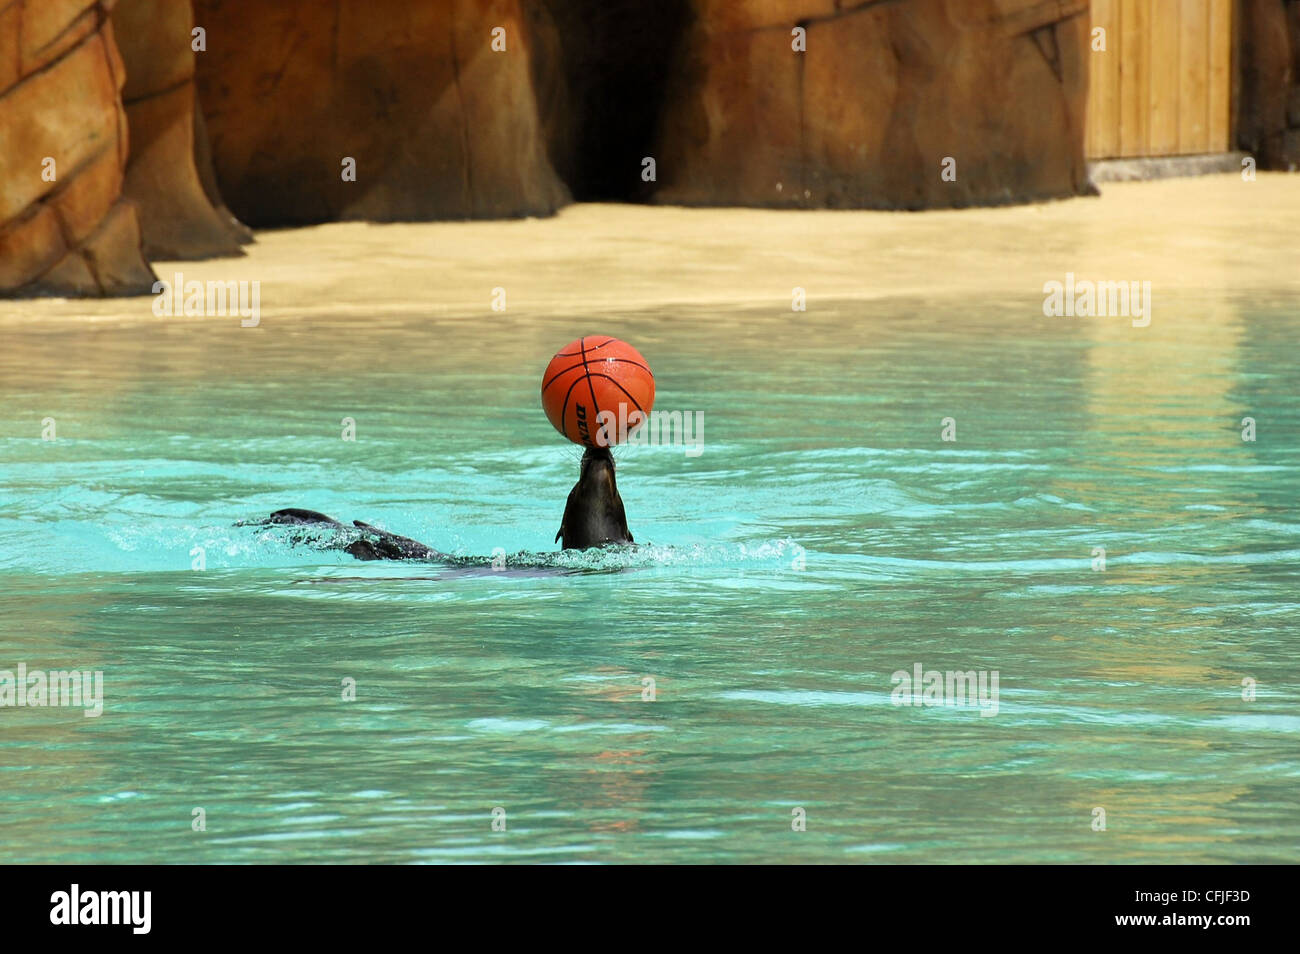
x: 1215, y: 232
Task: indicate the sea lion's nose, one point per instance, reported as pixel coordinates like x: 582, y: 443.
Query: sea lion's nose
x: 601, y: 474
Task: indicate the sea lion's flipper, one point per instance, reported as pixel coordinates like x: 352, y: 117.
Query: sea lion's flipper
x: 569, y: 505
x: 621, y: 516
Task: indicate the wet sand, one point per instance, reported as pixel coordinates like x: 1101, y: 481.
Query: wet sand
x: 1216, y: 233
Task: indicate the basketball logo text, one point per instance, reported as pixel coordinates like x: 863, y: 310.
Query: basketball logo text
x: 582, y: 425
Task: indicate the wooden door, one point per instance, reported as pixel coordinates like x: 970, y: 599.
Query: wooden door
x: 1162, y: 86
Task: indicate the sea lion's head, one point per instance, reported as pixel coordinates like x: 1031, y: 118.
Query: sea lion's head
x: 594, y: 515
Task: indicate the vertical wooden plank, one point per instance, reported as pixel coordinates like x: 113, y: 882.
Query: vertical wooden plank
x: 1094, y: 83
x: 1090, y: 120
x: 1104, y: 83
x: 1163, y: 35
x: 1220, y: 75
x: 1134, y: 77
x: 1193, y: 76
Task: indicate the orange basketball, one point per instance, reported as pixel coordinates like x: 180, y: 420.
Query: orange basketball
x: 594, y: 374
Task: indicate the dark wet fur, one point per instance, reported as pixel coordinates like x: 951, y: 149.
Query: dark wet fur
x: 593, y: 517
x: 370, y: 543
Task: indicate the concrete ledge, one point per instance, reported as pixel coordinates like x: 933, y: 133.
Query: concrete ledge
x: 1164, y: 167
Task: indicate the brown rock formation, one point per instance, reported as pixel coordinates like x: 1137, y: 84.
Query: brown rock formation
x: 884, y: 92
x: 177, y: 216
x: 208, y: 176
x: 64, y: 229
x: 438, y: 123
x: 1268, y: 104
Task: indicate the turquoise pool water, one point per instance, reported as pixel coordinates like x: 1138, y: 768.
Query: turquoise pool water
x: 826, y: 538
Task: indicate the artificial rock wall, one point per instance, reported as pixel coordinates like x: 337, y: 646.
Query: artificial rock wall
x: 64, y: 226
x: 491, y: 108
x: 883, y: 93
x: 438, y: 124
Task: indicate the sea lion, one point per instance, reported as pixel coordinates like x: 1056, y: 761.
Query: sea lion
x: 593, y: 517
x: 371, y: 544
